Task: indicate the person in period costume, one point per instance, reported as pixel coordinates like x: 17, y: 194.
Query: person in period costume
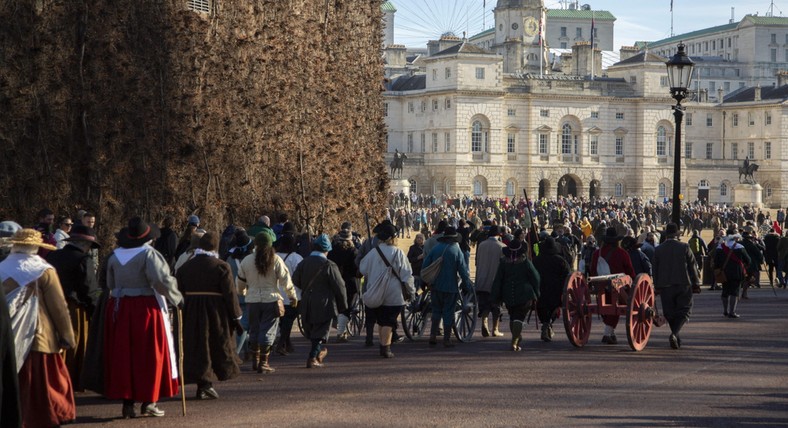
x: 10, y: 413
x: 260, y: 277
x: 488, y: 255
x: 77, y: 273
x: 243, y: 246
x: 373, y: 266
x: 210, y: 316
x: 732, y: 258
x: 619, y: 262
x: 416, y: 257
x: 139, y: 354
x: 675, y: 276
x: 185, y: 256
x: 323, y: 291
x: 445, y: 291
x: 553, y: 270
x: 286, y: 249
x: 344, y: 253
x: 42, y: 330
x: 516, y: 284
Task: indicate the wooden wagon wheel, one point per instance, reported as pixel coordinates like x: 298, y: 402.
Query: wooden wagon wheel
x: 641, y: 312
x: 465, y: 314
x: 357, y: 316
x: 577, y: 317
x: 415, y: 315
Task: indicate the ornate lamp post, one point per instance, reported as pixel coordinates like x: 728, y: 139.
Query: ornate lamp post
x: 680, y: 68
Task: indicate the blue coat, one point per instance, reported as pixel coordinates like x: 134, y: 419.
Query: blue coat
x: 453, y: 265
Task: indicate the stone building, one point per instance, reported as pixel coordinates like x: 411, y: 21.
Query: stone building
x: 472, y: 121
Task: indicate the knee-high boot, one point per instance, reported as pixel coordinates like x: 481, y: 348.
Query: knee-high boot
x: 263, y: 367
x: 255, y: 356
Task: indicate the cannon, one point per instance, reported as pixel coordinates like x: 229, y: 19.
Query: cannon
x: 418, y: 312
x: 610, y: 295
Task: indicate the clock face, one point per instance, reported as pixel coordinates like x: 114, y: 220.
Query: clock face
x: 515, y: 26
x: 530, y: 26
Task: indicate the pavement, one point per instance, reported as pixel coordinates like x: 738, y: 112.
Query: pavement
x: 728, y: 373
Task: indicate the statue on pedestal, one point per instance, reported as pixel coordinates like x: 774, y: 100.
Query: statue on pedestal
x: 747, y: 170
x: 397, y: 163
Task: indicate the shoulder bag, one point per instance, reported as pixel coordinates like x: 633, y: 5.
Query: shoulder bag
x: 719, y: 273
x: 429, y: 273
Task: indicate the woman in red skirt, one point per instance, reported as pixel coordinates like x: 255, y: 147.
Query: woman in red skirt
x: 139, y: 357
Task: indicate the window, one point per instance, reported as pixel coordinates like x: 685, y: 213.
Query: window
x: 619, y: 146
x: 563, y: 31
x: 593, y: 146
x: 434, y: 74
x: 434, y: 105
x: 767, y: 150
x: 594, y: 115
x: 712, y: 86
x: 203, y: 6
x: 544, y: 113
x: 423, y: 106
x: 477, y: 188
x: 768, y: 190
x: 688, y: 150
x: 543, y: 144
x: 723, y: 189
x: 410, y: 142
x: 620, y: 116
x: 480, y: 73
x: 633, y: 80
x: 566, y: 139
x: 434, y: 142
x: 448, y: 72
x: 619, y: 190
x: 563, y: 45
x: 447, y: 141
x: 735, y: 119
x: 385, y: 109
x: 768, y: 118
x: 510, y: 141
x: 510, y: 189
x: 423, y: 143
x: 448, y: 103
x: 709, y: 150
x: 689, y: 118
x: 726, y: 86
x: 751, y: 150
x: 734, y: 150
x: 773, y: 55
x: 578, y: 32
x: 786, y: 54
x: 662, y: 141
x: 511, y: 112
x: 750, y: 119
x: 709, y: 120
x: 410, y: 106
x: 663, y: 190
x: 476, y: 137
x: 663, y: 81
x: 773, y: 38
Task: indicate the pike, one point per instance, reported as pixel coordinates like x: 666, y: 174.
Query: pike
x: 530, y: 252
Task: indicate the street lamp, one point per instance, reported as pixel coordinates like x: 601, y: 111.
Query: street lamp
x: 679, y: 77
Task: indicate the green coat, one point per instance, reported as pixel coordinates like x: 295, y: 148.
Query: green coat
x: 516, y: 282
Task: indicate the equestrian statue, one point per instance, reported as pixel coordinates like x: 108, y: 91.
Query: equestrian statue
x: 397, y: 163
x: 747, y: 170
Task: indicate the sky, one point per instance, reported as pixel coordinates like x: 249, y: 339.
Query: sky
x: 418, y: 21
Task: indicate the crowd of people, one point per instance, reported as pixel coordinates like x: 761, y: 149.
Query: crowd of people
x: 110, y: 326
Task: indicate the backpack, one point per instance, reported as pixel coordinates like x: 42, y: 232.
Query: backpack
x: 602, y: 268
x: 694, y: 244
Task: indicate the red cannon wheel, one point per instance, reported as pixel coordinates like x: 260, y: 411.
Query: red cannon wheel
x: 641, y: 313
x: 577, y: 317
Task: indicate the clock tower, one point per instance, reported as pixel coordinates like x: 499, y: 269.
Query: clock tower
x: 518, y: 24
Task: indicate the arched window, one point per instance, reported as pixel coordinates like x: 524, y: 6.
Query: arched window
x: 619, y: 190
x: 662, y: 141
x: 768, y: 190
x: 723, y: 189
x: 476, y: 137
x: 663, y: 190
x: 510, y: 189
x: 566, y: 139
x: 478, y: 188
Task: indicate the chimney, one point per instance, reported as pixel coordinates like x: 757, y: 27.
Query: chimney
x: 627, y: 52
x: 395, y: 55
x: 782, y: 78
x: 719, y: 95
x: 583, y: 54
x: 757, y: 96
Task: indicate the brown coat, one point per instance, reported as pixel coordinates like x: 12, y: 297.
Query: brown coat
x: 54, y: 330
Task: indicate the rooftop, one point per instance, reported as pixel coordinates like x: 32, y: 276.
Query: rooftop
x: 767, y: 93
x: 388, y: 7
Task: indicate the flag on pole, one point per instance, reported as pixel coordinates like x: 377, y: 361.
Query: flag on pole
x: 592, y: 28
x: 671, y: 5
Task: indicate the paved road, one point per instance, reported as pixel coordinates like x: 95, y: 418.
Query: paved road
x: 728, y: 373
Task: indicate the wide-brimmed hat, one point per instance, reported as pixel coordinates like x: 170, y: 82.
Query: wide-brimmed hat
x: 450, y: 234
x: 671, y: 230
x: 612, y: 236
x: 137, y: 233
x: 80, y: 232
x: 30, y: 237
x: 515, y: 249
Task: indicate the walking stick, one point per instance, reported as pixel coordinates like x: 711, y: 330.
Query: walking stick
x: 180, y: 359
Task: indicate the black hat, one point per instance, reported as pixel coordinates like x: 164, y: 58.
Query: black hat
x: 630, y: 242
x: 137, y: 233
x: 450, y: 234
x: 515, y: 249
x: 346, y: 225
x: 288, y: 229
x: 612, y: 236
x: 385, y: 231
x: 382, y: 224
x: 494, y: 231
x: 242, y: 238
x: 83, y: 233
